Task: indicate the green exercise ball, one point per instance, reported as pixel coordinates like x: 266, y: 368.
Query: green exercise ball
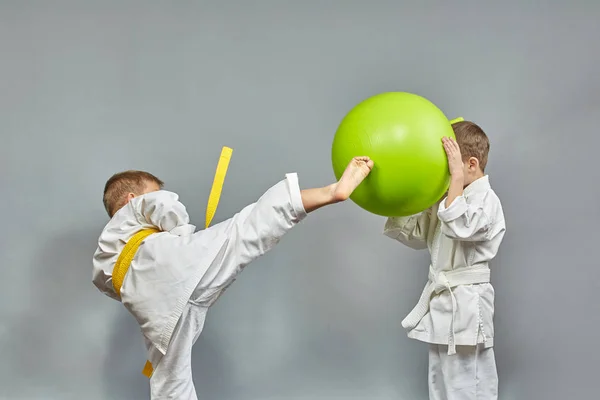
x: 402, y: 133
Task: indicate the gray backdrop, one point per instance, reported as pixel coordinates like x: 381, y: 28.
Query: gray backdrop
x: 91, y: 88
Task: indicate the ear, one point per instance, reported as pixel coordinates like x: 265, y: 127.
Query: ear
x: 473, y: 163
x: 129, y: 197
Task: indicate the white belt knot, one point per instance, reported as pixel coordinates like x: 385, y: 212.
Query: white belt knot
x: 439, y: 282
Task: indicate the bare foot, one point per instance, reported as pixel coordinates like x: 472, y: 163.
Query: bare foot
x: 356, y: 171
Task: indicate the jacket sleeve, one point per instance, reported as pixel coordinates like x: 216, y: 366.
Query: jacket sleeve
x: 468, y: 220
x: 410, y: 231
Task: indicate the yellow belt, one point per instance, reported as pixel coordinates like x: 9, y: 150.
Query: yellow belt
x: 128, y: 253
x: 126, y: 256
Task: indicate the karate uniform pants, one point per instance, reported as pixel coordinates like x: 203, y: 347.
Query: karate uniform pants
x: 470, y: 374
x: 251, y: 233
x: 172, y: 378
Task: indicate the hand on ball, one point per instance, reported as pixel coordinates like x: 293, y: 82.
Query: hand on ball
x: 455, y: 163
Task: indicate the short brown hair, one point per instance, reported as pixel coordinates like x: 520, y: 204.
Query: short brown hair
x: 119, y: 185
x: 473, y: 142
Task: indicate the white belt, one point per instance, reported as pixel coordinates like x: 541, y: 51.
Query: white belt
x: 439, y: 282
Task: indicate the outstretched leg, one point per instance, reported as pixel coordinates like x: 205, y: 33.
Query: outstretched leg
x: 259, y: 227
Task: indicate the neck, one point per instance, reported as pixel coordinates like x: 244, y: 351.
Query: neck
x: 474, y: 177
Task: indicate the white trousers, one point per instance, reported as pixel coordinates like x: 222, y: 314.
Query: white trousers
x: 470, y: 374
x: 172, y: 378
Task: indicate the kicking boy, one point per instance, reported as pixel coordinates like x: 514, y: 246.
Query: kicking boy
x: 167, y: 275
x: 455, y: 312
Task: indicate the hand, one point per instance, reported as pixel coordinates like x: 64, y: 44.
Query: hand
x: 455, y: 163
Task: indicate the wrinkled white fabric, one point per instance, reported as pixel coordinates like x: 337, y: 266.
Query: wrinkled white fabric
x: 470, y: 374
x: 178, y: 272
x: 464, y: 236
x: 172, y: 378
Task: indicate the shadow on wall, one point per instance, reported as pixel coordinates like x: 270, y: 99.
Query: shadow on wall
x: 122, y: 372
x: 211, y: 370
x: 59, y: 341
x: 72, y: 342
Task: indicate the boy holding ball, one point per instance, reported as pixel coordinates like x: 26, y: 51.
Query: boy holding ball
x: 463, y: 233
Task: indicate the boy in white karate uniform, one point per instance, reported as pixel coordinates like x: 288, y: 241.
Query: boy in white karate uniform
x: 455, y: 312
x: 167, y: 275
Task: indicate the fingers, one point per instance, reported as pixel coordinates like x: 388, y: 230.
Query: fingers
x: 449, y: 140
x: 450, y: 145
x: 454, y: 144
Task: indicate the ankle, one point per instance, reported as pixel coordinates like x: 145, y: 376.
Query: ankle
x: 336, y: 195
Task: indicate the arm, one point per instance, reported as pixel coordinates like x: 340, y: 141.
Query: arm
x: 467, y: 221
x: 410, y: 231
x: 457, y: 183
x: 461, y: 220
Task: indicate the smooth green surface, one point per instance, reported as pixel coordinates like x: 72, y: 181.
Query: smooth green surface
x: 402, y: 133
